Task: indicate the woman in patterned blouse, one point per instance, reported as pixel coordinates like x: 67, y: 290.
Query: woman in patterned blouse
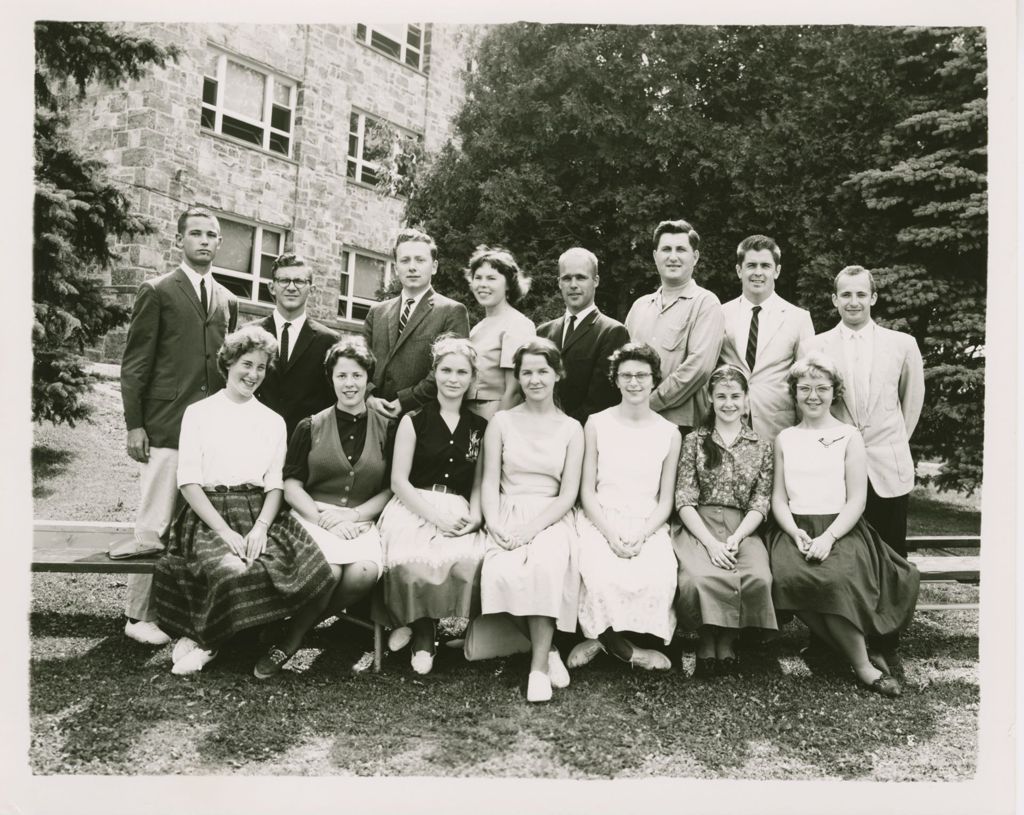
x: 723, y: 493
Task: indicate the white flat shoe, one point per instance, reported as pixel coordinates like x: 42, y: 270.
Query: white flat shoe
x: 557, y: 673
x: 183, y: 647
x: 399, y: 638
x: 192, y: 662
x: 146, y: 633
x: 649, y: 659
x: 422, y: 662
x: 584, y: 653
x: 538, y: 687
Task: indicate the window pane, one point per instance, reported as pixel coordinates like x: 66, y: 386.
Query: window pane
x: 353, y: 123
x: 368, y: 176
x: 207, y: 118
x: 350, y: 171
x: 239, y: 288
x: 241, y: 130
x: 243, y: 90
x: 353, y: 146
x: 344, y: 280
x: 210, y: 91
x: 281, y: 118
x: 264, y: 294
x: 236, y: 251
x: 412, y: 39
x: 361, y: 32
x: 385, y: 44
x: 369, y: 277
x: 271, y: 242
x: 279, y: 143
x: 282, y: 94
x: 359, y: 311
x: 412, y: 58
x: 267, y: 267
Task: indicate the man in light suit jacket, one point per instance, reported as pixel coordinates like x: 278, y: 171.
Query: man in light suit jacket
x: 883, y: 393
x: 586, y: 338
x: 401, y: 330
x: 170, y: 361
x: 763, y: 334
x: 296, y: 387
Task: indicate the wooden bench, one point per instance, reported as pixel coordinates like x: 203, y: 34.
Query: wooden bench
x: 66, y: 546
x: 946, y: 568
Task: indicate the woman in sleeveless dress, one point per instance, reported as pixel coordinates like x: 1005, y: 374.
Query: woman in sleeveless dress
x: 723, y: 493
x: 829, y: 566
x: 497, y: 284
x: 532, y: 459
x: 433, y: 548
x: 335, y: 480
x: 627, y: 567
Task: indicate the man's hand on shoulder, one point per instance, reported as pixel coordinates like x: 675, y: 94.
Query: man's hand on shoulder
x: 390, y: 409
x: 138, y: 444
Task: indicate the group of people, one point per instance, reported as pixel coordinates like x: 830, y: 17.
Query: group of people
x: 703, y: 467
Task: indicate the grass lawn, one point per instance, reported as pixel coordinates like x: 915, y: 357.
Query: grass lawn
x: 101, y: 704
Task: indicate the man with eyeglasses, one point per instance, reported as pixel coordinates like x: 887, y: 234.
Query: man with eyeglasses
x: 296, y: 387
x: 586, y: 338
x: 883, y: 393
x: 683, y: 322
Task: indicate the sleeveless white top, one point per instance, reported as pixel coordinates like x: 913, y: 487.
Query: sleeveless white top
x: 814, y: 464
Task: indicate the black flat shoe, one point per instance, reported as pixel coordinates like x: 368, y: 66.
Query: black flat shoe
x: 728, y: 666
x: 706, y: 668
x: 885, y: 685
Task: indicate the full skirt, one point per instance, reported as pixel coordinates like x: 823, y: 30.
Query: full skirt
x: 202, y: 590
x: 339, y: 551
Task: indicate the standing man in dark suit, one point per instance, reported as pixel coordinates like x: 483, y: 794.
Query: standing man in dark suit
x: 400, y: 331
x: 170, y: 361
x: 586, y: 338
x: 296, y: 387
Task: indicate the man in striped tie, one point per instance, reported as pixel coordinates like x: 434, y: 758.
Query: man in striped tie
x: 400, y: 331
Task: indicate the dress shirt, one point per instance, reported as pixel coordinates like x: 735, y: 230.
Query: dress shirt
x: 194, y: 278
x: 415, y: 300
x: 861, y: 372
x: 739, y: 329
x: 294, y: 327
x: 579, y: 319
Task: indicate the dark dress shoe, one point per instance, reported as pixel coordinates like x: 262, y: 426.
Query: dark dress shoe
x: 728, y: 666
x: 886, y: 686
x: 706, y: 668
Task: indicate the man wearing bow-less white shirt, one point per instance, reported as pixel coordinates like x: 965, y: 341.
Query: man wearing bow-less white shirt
x: 763, y: 333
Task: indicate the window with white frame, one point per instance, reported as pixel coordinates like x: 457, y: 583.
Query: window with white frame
x: 245, y: 261
x: 248, y: 103
x: 363, y: 277
x: 379, y: 149
x: 401, y: 41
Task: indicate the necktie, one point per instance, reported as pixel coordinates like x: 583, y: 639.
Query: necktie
x: 752, y: 337
x: 569, y: 329
x: 283, y: 355
x: 404, y: 316
x: 202, y: 295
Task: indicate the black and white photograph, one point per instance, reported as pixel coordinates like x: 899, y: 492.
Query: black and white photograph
x: 468, y: 409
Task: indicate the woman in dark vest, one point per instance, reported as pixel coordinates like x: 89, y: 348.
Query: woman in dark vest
x: 335, y: 480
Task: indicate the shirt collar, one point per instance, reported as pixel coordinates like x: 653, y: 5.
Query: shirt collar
x: 746, y: 433
x: 688, y: 291
x: 415, y: 298
x: 582, y: 314
x: 769, y: 304
x: 194, y: 278
x: 867, y: 332
x: 349, y: 418
x: 295, y: 325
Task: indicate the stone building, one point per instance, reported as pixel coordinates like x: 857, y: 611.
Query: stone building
x: 288, y: 133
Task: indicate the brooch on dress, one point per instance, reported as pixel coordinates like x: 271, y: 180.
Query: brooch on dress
x: 830, y: 442
x: 473, y: 451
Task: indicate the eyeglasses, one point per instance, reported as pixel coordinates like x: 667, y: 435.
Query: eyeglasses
x: 633, y: 377
x: 285, y: 282
x: 819, y: 390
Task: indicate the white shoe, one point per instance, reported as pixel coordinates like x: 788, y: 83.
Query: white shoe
x: 182, y: 647
x: 584, y: 653
x: 399, y: 638
x: 146, y: 633
x: 538, y: 687
x: 192, y: 662
x: 649, y: 659
x: 557, y: 673
x: 422, y: 662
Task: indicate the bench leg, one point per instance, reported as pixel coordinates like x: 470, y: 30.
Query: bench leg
x: 378, y: 646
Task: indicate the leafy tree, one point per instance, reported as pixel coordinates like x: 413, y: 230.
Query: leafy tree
x: 589, y: 135
x: 77, y: 211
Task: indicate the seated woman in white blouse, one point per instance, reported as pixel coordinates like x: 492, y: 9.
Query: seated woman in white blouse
x: 229, y: 564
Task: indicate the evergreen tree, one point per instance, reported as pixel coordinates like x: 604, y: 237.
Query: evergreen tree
x: 77, y: 211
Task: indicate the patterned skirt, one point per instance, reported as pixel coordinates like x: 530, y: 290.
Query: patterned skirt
x: 202, y: 590
x: 863, y: 580
x: 427, y: 574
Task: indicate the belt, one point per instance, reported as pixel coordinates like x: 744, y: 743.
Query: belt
x: 441, y: 488
x: 235, y: 488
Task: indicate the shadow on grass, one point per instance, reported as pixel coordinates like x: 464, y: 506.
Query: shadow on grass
x: 926, y: 516
x: 47, y: 463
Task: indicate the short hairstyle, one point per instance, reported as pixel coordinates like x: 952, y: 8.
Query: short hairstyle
x: 579, y: 251
x: 538, y: 346
x: 353, y: 348
x: 755, y: 243
x: 412, y: 234
x: 635, y: 352
x: 449, y: 343
x: 674, y: 228
x: 289, y: 260
x: 815, y: 363
x: 854, y: 271
x: 250, y: 337
x: 195, y: 212
x: 501, y: 260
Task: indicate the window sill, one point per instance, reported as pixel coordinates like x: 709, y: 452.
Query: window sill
x: 373, y: 188
x: 242, y: 143
x: 396, y: 60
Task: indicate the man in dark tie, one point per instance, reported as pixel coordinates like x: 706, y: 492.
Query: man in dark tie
x: 170, y: 361
x: 401, y: 330
x: 586, y: 338
x: 296, y: 386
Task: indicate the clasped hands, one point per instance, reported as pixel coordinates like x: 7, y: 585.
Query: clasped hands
x: 247, y: 548
x: 723, y: 553
x: 342, y: 521
x: 814, y: 549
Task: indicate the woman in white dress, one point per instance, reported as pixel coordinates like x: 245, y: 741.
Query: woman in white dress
x: 498, y: 284
x: 532, y: 459
x: 627, y: 565
x: 433, y: 548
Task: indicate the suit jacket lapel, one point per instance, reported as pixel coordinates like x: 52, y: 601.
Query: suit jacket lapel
x: 838, y: 354
x: 394, y: 307
x: 190, y: 293
x: 730, y: 316
x: 582, y: 328
x: 770, y: 324
x: 300, y: 344
x: 879, y: 353
x: 418, y: 315
x: 559, y: 331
